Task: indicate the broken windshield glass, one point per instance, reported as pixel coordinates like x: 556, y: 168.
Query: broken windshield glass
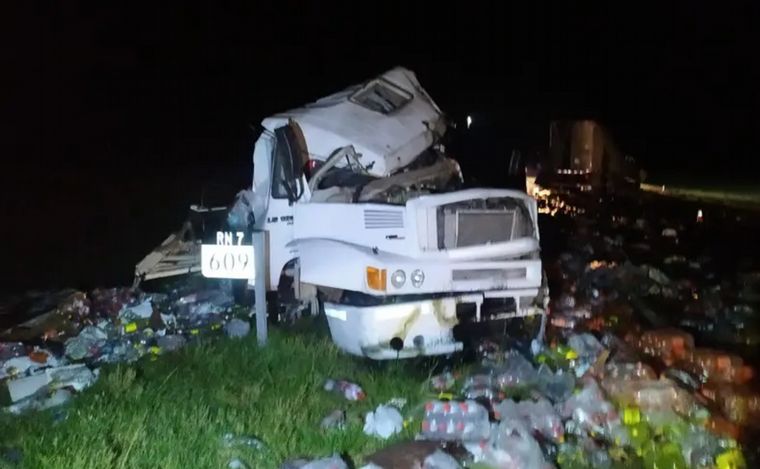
x: 430, y: 173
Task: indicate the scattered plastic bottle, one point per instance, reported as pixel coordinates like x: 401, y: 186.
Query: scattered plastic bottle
x: 236, y: 464
x: 517, y: 371
x: 663, y: 456
x: 170, y: 343
x: 455, y: 421
x: 237, y: 328
x: 443, y: 382
x: 540, y: 417
x: 479, y: 380
x: 10, y: 350
x: 571, y: 456
x: 559, y: 357
x: 731, y: 459
x: 334, y: 420
x: 513, y: 446
x: 566, y: 301
x: 349, y: 390
x: 482, y: 392
x: 555, y: 386
x: 230, y: 440
x: 640, y: 435
x: 585, y: 345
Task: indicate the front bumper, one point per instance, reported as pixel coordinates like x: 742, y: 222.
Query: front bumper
x: 424, y: 327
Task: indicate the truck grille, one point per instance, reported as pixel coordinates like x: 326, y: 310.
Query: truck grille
x: 479, y: 222
x: 383, y: 219
x: 474, y: 227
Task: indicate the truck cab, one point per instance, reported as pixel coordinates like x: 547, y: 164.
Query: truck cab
x: 366, y: 219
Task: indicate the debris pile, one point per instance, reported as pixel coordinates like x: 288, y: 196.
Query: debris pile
x: 641, y: 366
x: 633, y: 371
x: 636, y: 329
x: 47, y: 358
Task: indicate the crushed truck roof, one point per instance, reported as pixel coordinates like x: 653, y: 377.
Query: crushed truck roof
x: 389, y: 120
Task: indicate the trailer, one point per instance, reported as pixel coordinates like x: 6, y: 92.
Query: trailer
x: 583, y: 156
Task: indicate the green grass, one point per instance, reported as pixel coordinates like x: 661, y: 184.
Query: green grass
x: 735, y: 196
x: 171, y: 412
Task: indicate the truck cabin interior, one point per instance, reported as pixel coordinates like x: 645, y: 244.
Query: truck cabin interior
x: 343, y: 179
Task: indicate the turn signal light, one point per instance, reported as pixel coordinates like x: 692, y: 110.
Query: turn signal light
x: 377, y: 279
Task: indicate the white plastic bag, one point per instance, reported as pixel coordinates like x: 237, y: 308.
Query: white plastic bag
x: 440, y: 460
x: 384, y: 422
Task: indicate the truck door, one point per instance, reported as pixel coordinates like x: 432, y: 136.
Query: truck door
x: 288, y: 185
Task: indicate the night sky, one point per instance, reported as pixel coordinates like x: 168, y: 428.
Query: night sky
x: 114, y: 115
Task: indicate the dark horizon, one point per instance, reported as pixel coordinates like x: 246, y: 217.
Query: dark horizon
x: 673, y: 85
x: 116, y: 114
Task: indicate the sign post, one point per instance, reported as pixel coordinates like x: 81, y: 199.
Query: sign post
x: 259, y: 238
x: 231, y: 258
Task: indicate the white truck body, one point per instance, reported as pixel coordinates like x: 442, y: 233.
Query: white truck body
x: 399, y: 257
x: 470, y: 246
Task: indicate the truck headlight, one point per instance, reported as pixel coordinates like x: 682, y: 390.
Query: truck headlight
x: 398, y: 278
x: 417, y: 278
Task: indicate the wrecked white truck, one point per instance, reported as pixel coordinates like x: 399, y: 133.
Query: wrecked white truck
x: 366, y: 220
